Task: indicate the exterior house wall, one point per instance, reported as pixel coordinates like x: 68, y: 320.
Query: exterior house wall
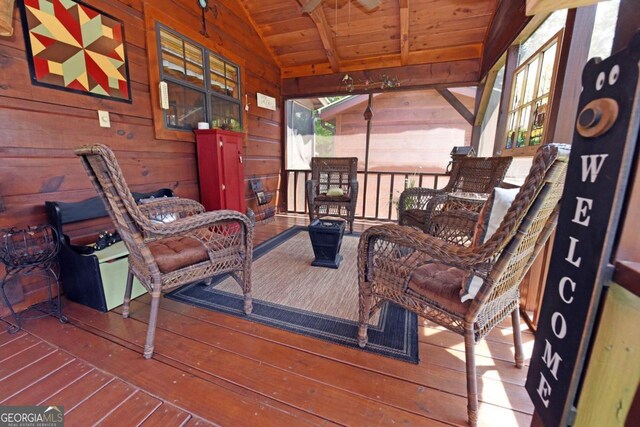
x: 412, y: 131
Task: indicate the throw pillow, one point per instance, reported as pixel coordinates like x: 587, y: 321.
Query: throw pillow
x: 489, y: 220
x: 333, y: 192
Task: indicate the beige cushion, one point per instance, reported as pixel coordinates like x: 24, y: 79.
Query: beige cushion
x: 174, y: 253
x: 335, y: 191
x: 489, y: 220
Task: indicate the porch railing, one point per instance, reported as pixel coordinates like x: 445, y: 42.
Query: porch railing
x: 378, y: 201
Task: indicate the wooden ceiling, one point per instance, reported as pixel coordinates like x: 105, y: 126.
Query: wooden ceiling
x: 341, y: 36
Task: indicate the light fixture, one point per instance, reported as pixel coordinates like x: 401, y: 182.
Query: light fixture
x: 382, y: 83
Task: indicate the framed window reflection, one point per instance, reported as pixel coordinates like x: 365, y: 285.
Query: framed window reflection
x: 186, y: 108
x: 202, y: 86
x: 530, y: 94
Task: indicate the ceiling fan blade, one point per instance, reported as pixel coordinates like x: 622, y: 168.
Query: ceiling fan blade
x: 370, y: 4
x: 310, y: 6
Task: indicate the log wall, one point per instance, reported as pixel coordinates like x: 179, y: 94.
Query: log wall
x: 39, y: 126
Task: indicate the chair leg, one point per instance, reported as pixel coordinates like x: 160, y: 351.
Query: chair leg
x: 127, y: 295
x: 246, y: 288
x: 151, y: 330
x: 364, y: 308
x: 248, y: 304
x: 243, y: 278
x: 472, y: 382
x: 517, y: 338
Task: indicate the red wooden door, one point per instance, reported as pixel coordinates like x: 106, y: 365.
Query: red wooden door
x: 233, y: 172
x: 220, y: 169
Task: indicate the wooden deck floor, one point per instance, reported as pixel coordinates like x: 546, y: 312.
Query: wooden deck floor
x: 212, y: 368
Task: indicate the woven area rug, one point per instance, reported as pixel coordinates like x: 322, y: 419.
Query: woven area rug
x: 290, y: 294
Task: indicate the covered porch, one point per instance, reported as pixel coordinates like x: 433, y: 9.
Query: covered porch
x: 213, y: 369
x: 433, y: 74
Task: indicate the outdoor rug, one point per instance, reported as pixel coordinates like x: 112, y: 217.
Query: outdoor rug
x: 289, y: 293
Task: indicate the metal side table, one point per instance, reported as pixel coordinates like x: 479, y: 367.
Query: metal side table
x: 30, y: 251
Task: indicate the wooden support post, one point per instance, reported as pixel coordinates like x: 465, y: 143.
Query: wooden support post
x: 568, y: 85
x: 510, y: 66
x: 368, y: 115
x: 627, y: 24
x: 476, y: 131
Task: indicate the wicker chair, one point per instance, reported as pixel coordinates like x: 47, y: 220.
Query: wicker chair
x: 425, y: 274
x: 333, y: 173
x: 469, y: 175
x: 171, y: 241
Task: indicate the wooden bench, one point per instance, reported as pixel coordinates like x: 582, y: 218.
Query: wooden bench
x: 95, y: 278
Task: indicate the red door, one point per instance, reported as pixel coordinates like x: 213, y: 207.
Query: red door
x: 233, y: 172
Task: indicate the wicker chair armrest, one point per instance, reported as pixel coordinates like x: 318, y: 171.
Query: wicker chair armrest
x: 172, y: 206
x: 461, y: 219
x: 416, y: 198
x: 196, y: 224
x: 454, y: 226
x: 421, y: 193
x: 406, y: 248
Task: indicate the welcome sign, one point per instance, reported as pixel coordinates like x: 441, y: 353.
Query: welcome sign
x: 601, y: 158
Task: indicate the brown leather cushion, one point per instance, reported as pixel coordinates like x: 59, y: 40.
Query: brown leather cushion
x: 335, y: 199
x: 415, y: 216
x: 440, y: 284
x: 174, y: 253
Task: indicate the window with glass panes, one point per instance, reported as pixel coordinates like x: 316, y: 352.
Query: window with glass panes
x: 202, y: 86
x: 530, y: 98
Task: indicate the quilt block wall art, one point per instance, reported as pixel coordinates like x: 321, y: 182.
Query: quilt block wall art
x: 75, y: 47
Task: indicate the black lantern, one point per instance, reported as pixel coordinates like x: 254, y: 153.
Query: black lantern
x: 326, y: 238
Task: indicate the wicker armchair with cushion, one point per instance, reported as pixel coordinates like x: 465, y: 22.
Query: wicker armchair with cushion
x: 435, y: 278
x: 469, y: 175
x: 171, y: 241
x: 333, y: 188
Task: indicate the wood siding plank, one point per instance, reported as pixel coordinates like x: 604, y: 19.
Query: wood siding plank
x: 41, y: 125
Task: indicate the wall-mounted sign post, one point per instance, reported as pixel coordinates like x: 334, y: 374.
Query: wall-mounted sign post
x: 602, y: 153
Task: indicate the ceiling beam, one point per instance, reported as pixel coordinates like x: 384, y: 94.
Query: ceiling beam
x: 404, y: 32
x: 431, y: 56
x: 457, y: 105
x: 453, y: 73
x: 320, y: 20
